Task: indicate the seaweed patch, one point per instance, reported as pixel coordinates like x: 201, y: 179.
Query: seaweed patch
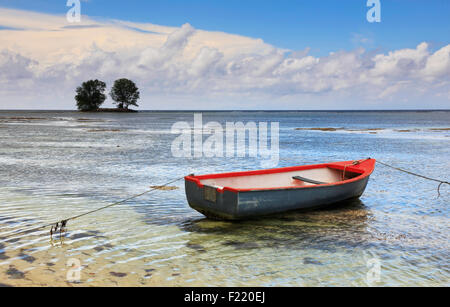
x: 14, y: 273
x: 196, y: 247
x: 309, y: 260
x: 117, y: 274
x: 27, y: 258
x: 163, y: 188
x: 2, y: 252
x: 87, y: 234
x: 241, y: 245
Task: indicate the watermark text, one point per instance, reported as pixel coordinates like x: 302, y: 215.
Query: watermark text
x: 236, y: 139
x: 74, y: 13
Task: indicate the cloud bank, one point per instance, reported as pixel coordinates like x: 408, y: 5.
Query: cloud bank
x: 43, y: 58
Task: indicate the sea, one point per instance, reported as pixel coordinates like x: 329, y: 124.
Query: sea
x: 58, y: 164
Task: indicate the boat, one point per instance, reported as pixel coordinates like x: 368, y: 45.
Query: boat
x: 249, y: 194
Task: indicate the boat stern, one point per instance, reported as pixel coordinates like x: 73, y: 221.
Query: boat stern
x: 210, y: 201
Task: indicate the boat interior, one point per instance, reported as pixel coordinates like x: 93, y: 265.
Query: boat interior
x: 324, y: 175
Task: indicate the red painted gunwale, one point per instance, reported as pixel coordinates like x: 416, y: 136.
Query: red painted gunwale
x: 365, y: 169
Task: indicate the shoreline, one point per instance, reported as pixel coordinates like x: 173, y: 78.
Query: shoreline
x: 231, y: 110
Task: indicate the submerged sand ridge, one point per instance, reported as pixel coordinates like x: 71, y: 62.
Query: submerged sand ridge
x: 371, y: 130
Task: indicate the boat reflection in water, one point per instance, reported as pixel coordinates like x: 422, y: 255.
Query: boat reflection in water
x: 341, y: 225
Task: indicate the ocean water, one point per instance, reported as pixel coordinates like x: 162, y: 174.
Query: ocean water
x: 58, y: 164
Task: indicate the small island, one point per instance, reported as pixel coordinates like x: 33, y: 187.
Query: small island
x: 91, y: 95
x: 112, y: 110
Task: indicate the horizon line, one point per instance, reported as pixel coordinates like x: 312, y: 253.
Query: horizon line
x: 238, y: 110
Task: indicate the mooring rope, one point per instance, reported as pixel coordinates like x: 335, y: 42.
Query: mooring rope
x: 441, y: 182
x: 61, y: 225
x: 356, y: 162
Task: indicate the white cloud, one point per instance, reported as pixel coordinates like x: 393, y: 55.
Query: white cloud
x: 438, y: 64
x: 49, y: 57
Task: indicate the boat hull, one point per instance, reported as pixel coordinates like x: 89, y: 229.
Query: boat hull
x: 242, y: 195
x: 243, y: 205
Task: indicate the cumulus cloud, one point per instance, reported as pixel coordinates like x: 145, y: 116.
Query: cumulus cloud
x: 48, y: 57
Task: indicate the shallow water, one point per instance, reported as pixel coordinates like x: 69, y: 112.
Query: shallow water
x: 58, y: 164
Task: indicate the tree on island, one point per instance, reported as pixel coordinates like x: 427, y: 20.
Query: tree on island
x: 125, y: 93
x: 90, y: 95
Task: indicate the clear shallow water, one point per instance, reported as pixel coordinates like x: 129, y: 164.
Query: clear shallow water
x: 57, y: 164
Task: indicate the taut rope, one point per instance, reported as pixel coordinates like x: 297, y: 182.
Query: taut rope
x: 357, y: 162
x: 61, y: 225
x: 441, y: 182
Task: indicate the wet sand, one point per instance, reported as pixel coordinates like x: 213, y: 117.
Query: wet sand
x: 345, y: 226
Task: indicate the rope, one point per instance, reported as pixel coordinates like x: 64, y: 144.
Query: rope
x: 62, y: 224
x: 357, y: 162
x: 441, y: 182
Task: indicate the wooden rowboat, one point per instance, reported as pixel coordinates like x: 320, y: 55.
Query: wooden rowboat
x: 234, y: 196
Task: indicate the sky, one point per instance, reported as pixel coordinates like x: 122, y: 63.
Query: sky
x: 214, y: 54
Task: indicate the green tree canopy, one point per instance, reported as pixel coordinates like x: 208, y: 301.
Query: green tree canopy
x: 90, y: 95
x: 125, y: 93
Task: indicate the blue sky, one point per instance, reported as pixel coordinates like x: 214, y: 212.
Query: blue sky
x: 322, y: 25
x: 247, y: 54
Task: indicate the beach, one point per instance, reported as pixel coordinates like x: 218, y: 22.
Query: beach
x: 56, y: 164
